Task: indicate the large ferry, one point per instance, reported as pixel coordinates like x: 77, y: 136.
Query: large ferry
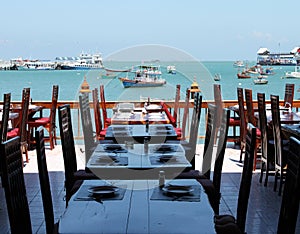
x: 264, y: 57
x: 82, y: 62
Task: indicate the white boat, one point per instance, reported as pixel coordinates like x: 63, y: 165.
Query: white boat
x: 293, y: 74
x: 83, y: 62
x: 238, y: 63
x: 260, y: 80
x: 36, y: 65
x: 171, y: 69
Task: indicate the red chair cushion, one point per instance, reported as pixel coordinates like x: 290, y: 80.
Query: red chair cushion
x: 13, y: 133
x: 40, y: 121
x: 234, y: 122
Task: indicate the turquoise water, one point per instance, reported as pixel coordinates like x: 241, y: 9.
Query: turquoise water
x: 41, y: 82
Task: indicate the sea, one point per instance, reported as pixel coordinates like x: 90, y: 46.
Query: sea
x: 69, y: 81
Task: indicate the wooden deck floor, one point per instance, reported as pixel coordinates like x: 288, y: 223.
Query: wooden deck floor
x: 263, y: 211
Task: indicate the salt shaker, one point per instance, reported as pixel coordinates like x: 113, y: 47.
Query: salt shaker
x: 161, y: 179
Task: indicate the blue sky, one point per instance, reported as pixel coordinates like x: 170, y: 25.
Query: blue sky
x: 207, y: 30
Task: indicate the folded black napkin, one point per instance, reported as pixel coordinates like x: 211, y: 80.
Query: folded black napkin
x: 111, y: 160
x: 115, y: 149
x: 164, y: 159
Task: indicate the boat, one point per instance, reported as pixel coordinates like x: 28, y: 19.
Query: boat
x: 83, y: 62
x: 243, y: 75
x: 264, y: 57
x: 217, y: 77
x: 36, y: 65
x: 293, y: 74
x: 260, y: 80
x: 238, y: 63
x: 108, y: 75
x: 171, y: 69
x: 144, y: 76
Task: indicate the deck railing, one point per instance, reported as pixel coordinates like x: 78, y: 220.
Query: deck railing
x: 111, y: 104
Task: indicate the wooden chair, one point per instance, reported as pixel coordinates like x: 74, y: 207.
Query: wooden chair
x: 212, y: 187
x: 5, y: 117
x: 176, y: 103
x: 243, y: 123
x: 251, y: 119
x: 291, y: 193
x: 280, y: 150
x: 289, y: 94
x: 21, y: 129
x: 87, y: 127
x: 73, y: 177
x: 44, y: 182
x: 49, y: 123
x: 233, y: 121
x: 100, y: 131
x: 14, y: 186
x: 185, y: 114
x: 227, y: 223
x: 106, y: 121
x: 267, y: 146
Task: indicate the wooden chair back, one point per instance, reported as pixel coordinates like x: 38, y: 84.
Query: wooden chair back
x: 209, y: 141
x: 280, y: 160
x: 261, y: 102
x: 291, y: 194
x: 68, y: 147
x: 44, y: 180
x: 185, y: 114
x: 194, y: 128
x: 5, y: 117
x: 14, y: 186
x: 243, y: 123
x: 221, y: 146
x: 52, y: 127
x: 87, y: 126
x: 97, y: 114
x: 289, y: 94
x: 176, y: 104
x: 24, y: 116
x: 168, y: 113
x: 218, y: 102
x: 249, y: 105
x: 245, y: 184
x: 103, y: 106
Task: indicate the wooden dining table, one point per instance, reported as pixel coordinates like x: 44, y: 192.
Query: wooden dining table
x: 139, y: 117
x: 137, y: 161
x: 289, y: 130
x: 155, y: 133
x: 138, y: 206
x: 286, y: 117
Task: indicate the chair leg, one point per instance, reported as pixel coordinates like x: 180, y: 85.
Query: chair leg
x: 275, y: 182
x: 267, y: 174
x: 280, y: 184
x: 261, y: 171
x: 242, y: 151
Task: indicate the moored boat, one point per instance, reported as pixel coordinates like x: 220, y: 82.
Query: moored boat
x: 144, y: 76
x: 260, y: 80
x: 243, y: 75
x: 238, y: 63
x: 293, y: 74
x: 171, y: 69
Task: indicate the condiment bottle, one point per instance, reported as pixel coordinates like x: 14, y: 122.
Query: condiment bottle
x: 161, y: 179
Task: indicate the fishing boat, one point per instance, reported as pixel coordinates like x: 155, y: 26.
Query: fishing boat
x: 243, y: 75
x: 144, y: 76
x: 293, y: 74
x: 260, y: 80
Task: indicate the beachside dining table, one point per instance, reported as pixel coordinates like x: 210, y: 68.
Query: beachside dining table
x: 137, y: 161
x: 139, y: 116
x: 286, y: 117
x: 154, y: 133
x: 138, y: 206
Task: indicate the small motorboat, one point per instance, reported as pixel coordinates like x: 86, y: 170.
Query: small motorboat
x: 217, y: 77
x: 243, y: 75
x: 260, y: 80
